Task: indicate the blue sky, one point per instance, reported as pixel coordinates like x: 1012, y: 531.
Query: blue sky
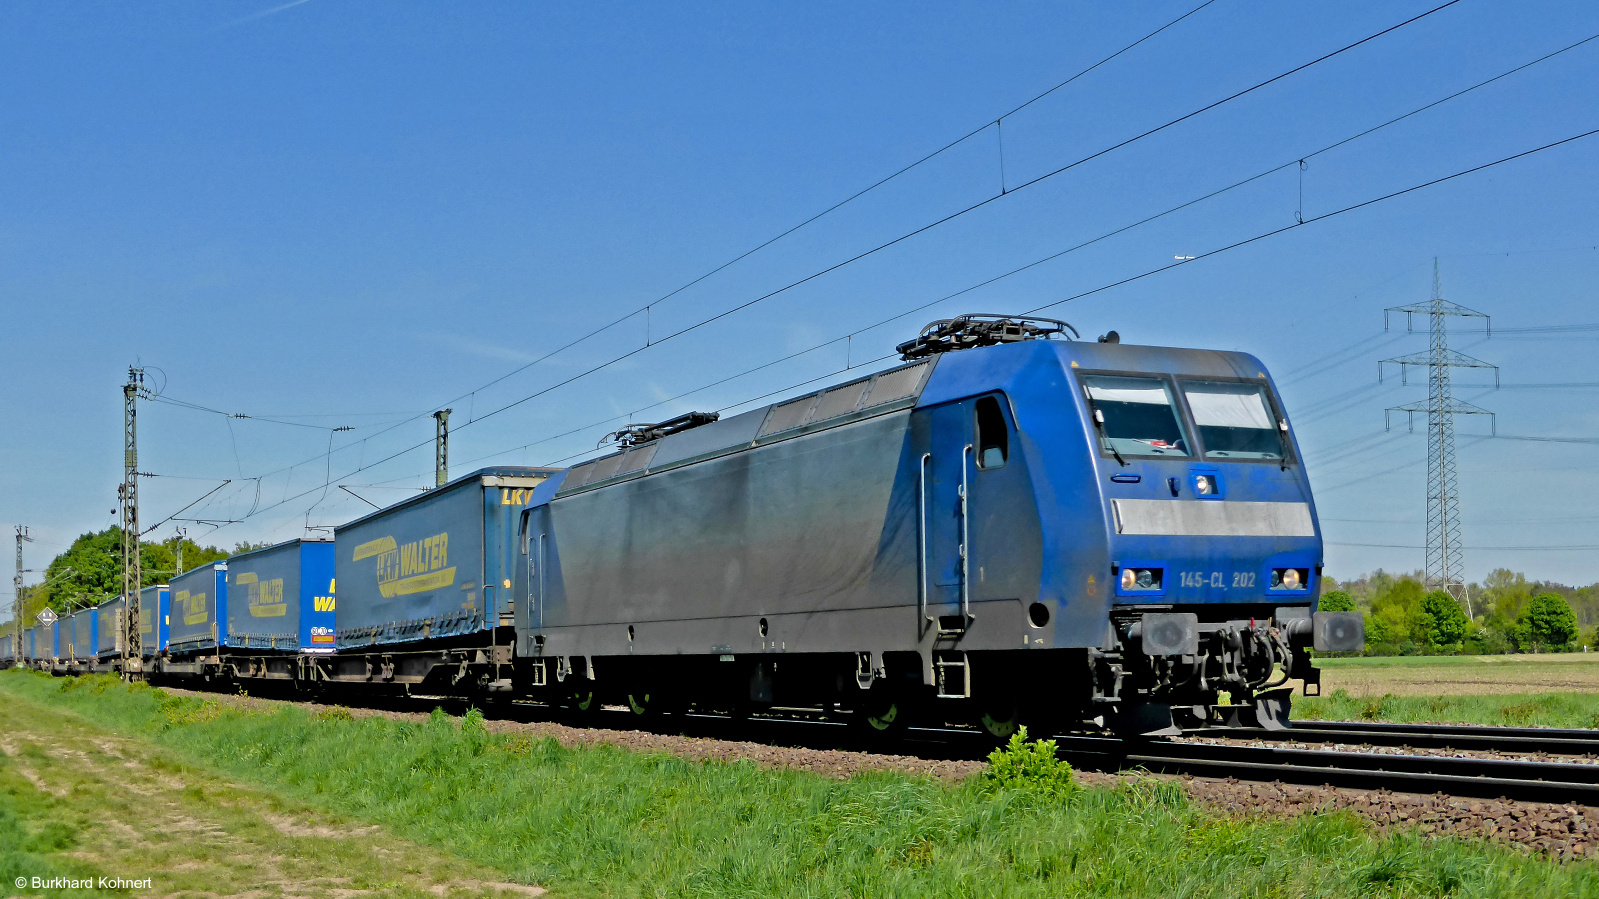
x: 347, y: 215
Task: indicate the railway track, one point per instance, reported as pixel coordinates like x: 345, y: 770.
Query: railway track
x: 1553, y: 741
x: 1526, y: 781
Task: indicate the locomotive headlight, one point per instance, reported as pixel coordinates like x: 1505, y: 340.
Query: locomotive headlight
x: 1291, y: 579
x: 1205, y: 484
x: 1145, y: 579
x: 1129, y: 579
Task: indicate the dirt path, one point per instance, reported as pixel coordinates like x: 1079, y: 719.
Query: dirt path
x: 118, y: 807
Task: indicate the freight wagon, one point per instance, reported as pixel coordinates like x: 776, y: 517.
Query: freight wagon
x: 279, y: 604
x: 425, y: 586
x: 155, y: 622
x: 81, y: 631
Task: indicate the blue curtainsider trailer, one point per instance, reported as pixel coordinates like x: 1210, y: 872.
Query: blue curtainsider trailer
x: 81, y: 631
x: 199, y: 610
x: 111, y: 635
x: 435, y: 567
x: 281, y: 598
x: 155, y: 620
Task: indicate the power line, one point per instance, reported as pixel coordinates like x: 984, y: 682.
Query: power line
x: 1575, y: 548
x: 1395, y: 194
x: 809, y: 221
x: 1235, y: 245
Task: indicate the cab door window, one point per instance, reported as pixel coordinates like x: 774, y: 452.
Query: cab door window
x: 993, y: 437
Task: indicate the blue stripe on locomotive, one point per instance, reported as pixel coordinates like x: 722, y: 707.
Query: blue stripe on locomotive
x: 1073, y: 490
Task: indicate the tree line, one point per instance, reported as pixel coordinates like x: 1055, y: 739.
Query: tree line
x: 89, y: 572
x: 1505, y: 613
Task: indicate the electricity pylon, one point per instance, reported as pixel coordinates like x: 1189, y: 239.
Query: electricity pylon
x: 1445, y: 562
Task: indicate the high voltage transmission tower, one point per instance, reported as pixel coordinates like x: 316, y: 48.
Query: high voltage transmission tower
x: 1445, y: 565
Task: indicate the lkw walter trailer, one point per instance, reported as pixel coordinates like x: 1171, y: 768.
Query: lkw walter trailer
x: 424, y: 587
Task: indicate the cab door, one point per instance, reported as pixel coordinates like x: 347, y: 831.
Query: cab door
x: 945, y: 479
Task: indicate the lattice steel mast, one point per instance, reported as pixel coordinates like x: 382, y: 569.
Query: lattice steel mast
x: 441, y: 447
x: 132, y: 573
x: 1445, y: 551
x: 16, y: 609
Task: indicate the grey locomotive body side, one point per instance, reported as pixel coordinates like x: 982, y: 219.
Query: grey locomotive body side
x: 958, y: 543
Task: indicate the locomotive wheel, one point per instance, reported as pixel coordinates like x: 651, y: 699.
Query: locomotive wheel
x: 644, y: 704
x: 999, y: 720
x: 882, y: 715
x: 584, y: 699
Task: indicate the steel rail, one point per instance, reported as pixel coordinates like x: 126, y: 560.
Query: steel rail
x: 1560, y: 782
x: 1555, y: 741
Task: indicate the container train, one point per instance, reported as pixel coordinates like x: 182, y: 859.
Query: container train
x: 1012, y: 525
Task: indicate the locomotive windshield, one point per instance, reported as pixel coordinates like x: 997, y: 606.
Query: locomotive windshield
x: 1234, y: 420
x: 1139, y: 416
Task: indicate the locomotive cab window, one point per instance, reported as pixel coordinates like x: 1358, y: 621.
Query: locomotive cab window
x: 1235, y: 420
x: 1135, y: 416
x: 993, y: 439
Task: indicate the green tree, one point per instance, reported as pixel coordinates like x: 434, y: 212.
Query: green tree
x: 1445, y: 621
x: 90, y: 571
x: 1396, y: 615
x: 1548, y: 620
x: 1337, y: 601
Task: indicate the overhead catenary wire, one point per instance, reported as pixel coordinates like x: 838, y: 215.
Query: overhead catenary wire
x: 924, y: 228
x: 1300, y: 220
x: 647, y: 307
x: 1127, y: 280
x: 365, y: 466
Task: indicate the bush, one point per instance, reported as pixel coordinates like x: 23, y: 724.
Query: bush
x: 1028, y: 767
x: 1336, y: 601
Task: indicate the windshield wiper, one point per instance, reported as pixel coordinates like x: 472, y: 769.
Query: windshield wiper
x: 1099, y: 425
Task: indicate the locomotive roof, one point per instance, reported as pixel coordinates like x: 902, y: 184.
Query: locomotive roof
x: 972, y: 371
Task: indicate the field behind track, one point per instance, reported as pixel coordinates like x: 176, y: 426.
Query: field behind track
x: 1544, y: 690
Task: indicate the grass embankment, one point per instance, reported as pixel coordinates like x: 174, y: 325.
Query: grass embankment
x: 95, y: 807
x: 1522, y: 690
x: 602, y: 821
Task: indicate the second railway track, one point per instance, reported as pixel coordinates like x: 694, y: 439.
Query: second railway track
x: 1523, y: 740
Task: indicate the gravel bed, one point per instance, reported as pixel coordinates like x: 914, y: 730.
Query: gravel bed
x: 1558, y: 831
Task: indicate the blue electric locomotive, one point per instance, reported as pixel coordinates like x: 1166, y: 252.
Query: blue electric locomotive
x: 1009, y: 525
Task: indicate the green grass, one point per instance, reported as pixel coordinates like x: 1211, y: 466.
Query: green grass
x: 1514, y: 709
x: 602, y: 821
x: 37, y: 833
